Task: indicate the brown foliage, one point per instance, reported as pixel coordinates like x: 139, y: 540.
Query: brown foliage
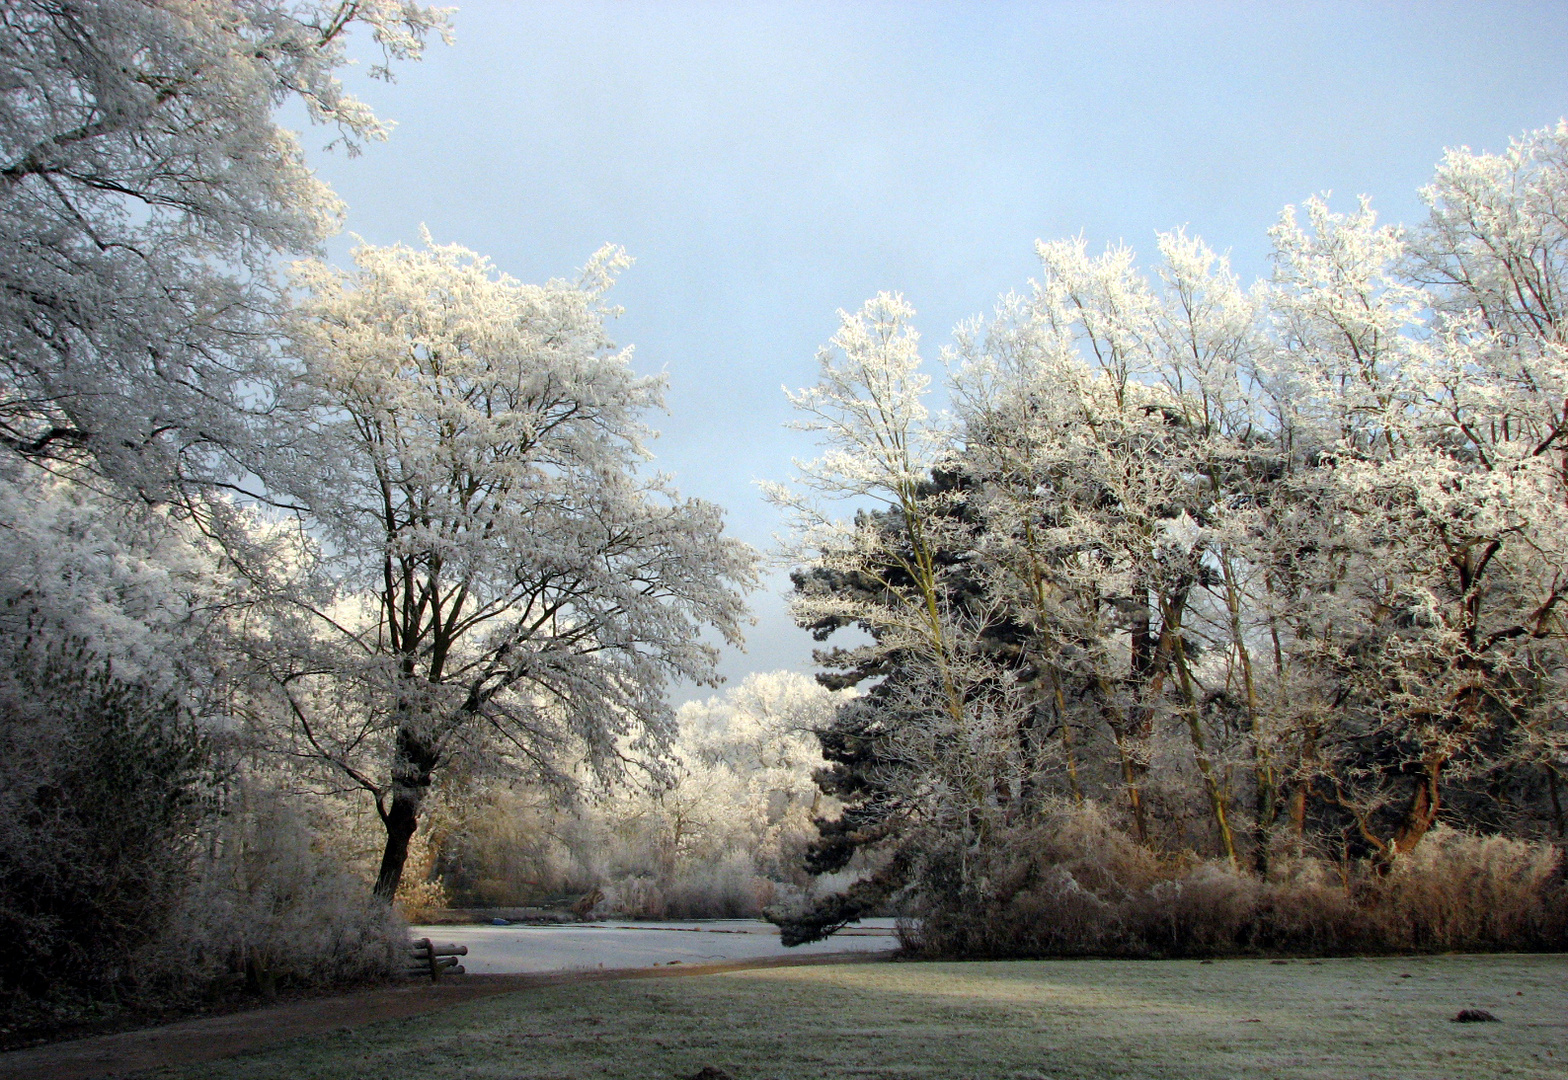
x: 1076, y: 886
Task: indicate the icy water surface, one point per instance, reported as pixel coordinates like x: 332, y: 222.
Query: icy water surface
x: 619, y: 945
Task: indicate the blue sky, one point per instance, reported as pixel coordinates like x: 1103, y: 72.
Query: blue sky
x: 769, y: 164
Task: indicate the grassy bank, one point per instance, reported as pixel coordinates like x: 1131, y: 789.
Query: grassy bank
x: 1379, y: 1018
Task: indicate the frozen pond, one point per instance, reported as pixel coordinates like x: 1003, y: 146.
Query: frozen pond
x: 497, y: 950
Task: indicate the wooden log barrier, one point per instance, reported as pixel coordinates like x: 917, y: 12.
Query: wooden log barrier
x: 428, y: 958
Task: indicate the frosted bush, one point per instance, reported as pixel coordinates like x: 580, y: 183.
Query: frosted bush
x: 274, y: 905
x: 1459, y: 891
x: 1075, y: 886
x: 730, y: 889
x: 102, y: 786
x: 421, y: 893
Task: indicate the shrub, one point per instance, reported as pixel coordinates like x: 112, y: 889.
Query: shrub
x: 1459, y: 891
x: 275, y: 905
x: 103, y: 785
x: 728, y: 889
x: 122, y: 880
x: 1074, y: 885
x: 421, y: 894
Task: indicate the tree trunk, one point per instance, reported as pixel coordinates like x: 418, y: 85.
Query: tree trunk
x: 1132, y: 773
x: 1067, y: 741
x: 1265, y: 803
x: 1421, y: 814
x: 1265, y: 785
x: 1132, y: 768
x: 1132, y: 731
x: 1211, y: 784
x: 411, y: 773
x: 1557, y: 803
x: 400, y: 820
x: 1298, y: 809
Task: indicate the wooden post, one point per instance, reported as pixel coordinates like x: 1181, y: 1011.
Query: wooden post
x: 430, y: 957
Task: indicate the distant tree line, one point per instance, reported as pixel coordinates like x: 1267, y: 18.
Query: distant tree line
x: 716, y: 830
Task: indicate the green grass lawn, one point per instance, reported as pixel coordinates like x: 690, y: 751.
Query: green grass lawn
x: 1346, y: 1019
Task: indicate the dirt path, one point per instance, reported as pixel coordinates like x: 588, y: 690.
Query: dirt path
x: 194, y: 1041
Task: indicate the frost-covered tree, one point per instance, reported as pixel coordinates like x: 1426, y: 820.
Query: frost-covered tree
x: 891, y: 572
x: 881, y: 447
x: 1493, y: 256
x: 716, y: 831
x: 134, y: 586
x: 1435, y: 609
x: 512, y: 586
x: 145, y: 191
x: 1292, y: 555
x: 1105, y: 438
x: 763, y: 733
